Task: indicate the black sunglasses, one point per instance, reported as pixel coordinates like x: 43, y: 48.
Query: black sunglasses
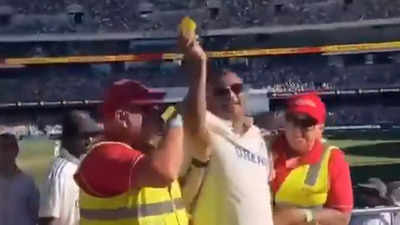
x: 226, y: 91
x: 301, y: 120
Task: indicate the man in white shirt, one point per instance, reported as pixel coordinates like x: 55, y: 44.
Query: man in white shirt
x: 19, y: 197
x: 59, y: 203
x: 226, y: 144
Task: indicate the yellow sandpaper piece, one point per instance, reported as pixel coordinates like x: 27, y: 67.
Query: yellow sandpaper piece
x: 168, y: 113
x: 188, y: 27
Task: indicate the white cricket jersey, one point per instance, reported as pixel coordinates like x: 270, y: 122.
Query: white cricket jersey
x: 60, y: 195
x: 235, y: 189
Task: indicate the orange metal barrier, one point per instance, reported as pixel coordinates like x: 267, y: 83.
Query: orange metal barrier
x: 330, y: 49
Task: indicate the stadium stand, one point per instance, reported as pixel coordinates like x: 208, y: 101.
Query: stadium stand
x: 276, y: 74
x: 124, y: 15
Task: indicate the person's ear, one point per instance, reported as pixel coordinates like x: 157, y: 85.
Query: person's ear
x: 320, y: 129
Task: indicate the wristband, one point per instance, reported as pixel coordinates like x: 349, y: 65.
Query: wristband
x: 168, y: 113
x: 199, y: 164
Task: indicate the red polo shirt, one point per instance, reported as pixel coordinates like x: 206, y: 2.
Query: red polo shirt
x: 340, y: 195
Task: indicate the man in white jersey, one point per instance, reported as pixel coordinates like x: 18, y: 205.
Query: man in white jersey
x: 225, y: 144
x: 60, y: 195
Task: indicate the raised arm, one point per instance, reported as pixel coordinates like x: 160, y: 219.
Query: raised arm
x: 195, y: 63
x: 162, y: 165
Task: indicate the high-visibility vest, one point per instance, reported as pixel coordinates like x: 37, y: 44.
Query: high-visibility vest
x: 147, y: 206
x: 307, y: 186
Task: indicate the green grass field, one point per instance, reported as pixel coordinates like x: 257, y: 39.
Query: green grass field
x: 368, y: 148
x: 371, y: 153
x: 35, y: 157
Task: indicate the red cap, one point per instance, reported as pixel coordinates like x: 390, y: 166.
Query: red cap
x: 309, y: 104
x: 125, y: 92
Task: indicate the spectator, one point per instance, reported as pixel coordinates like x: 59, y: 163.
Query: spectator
x: 19, y: 196
x: 370, y: 195
x: 394, y: 198
x: 124, y: 179
x: 226, y: 143
x: 60, y: 196
x: 393, y: 192
x: 312, y: 181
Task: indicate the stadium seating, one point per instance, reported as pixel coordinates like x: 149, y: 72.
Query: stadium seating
x: 122, y: 16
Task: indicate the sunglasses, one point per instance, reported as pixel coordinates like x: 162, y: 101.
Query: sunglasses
x: 226, y: 91
x: 302, y: 121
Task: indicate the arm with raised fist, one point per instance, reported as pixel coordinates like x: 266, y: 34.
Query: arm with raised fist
x: 195, y: 63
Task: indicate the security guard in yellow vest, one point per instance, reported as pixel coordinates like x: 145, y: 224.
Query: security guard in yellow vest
x: 312, y: 183
x: 124, y: 180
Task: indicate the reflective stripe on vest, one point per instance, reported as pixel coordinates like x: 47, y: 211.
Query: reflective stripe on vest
x: 141, y: 211
x: 307, y: 186
x: 314, y: 170
x: 144, y: 206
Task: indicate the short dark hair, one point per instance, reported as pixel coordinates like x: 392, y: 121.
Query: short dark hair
x: 77, y: 123
x: 215, y: 72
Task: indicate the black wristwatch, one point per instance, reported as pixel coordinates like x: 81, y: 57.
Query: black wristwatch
x: 199, y: 164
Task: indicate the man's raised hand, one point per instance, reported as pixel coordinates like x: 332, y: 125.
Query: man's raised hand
x: 188, y: 43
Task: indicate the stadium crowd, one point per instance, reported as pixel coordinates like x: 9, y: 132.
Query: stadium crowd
x: 279, y: 74
x: 122, y: 15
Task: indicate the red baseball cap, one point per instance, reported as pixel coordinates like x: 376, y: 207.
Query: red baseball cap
x: 309, y: 104
x: 129, y: 92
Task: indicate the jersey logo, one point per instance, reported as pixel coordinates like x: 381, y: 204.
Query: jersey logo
x: 245, y: 154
